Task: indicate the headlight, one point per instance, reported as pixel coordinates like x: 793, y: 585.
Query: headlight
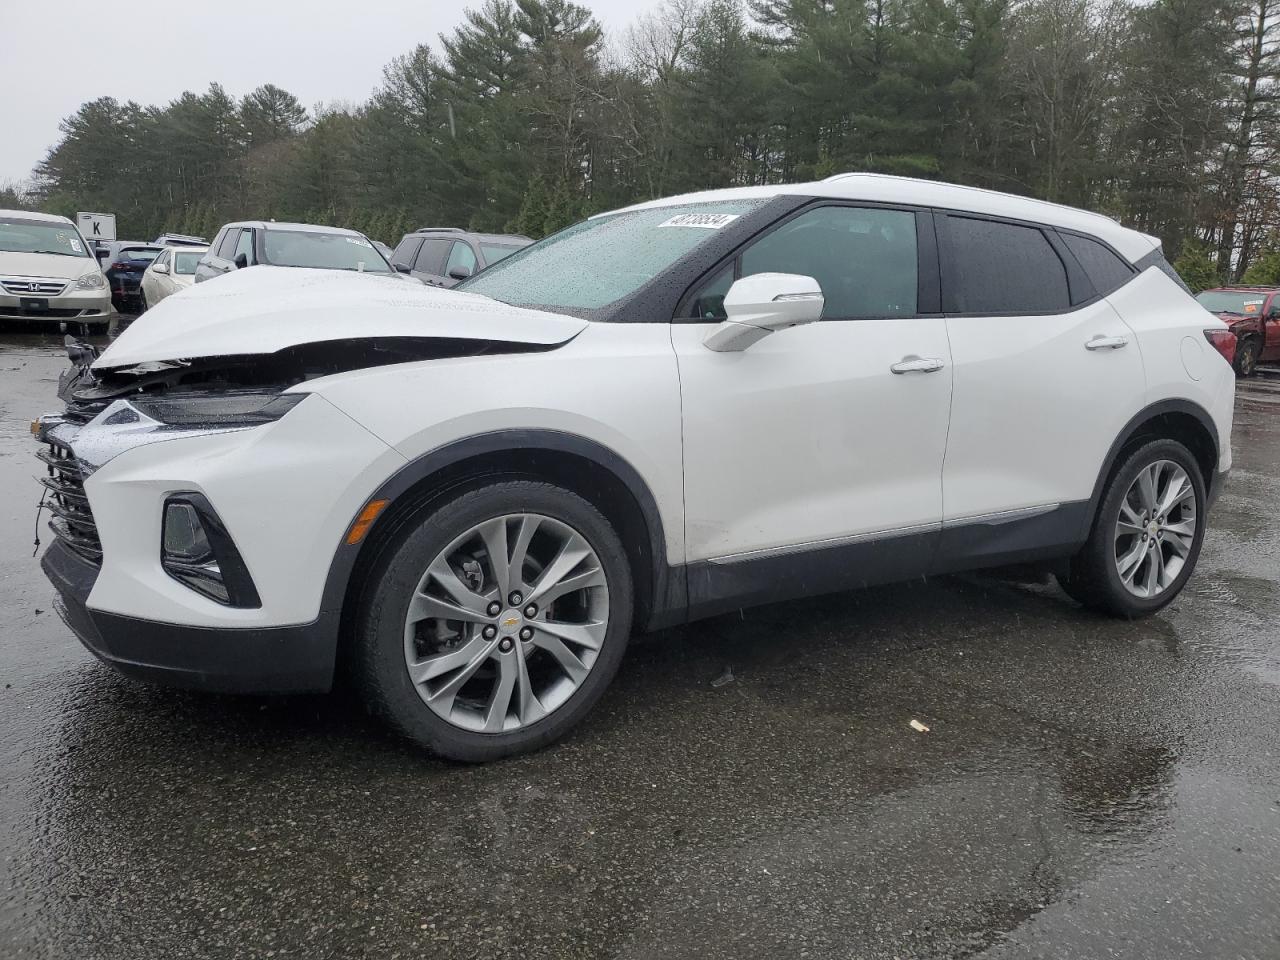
x: 197, y: 551
x: 244, y: 408
x: 92, y: 281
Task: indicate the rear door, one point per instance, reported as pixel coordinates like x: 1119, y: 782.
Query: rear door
x: 1271, y: 328
x: 1046, y: 374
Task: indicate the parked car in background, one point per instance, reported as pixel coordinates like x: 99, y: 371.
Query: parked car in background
x: 124, y: 268
x: 444, y: 256
x: 270, y: 244
x: 48, y: 273
x: 382, y: 249
x: 180, y: 240
x: 173, y: 270
x: 667, y: 412
x: 1252, y: 313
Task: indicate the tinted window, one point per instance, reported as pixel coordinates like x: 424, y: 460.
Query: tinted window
x: 405, y: 252
x: 245, y: 245
x: 431, y: 257
x: 139, y: 253
x: 226, y: 249
x: 1001, y: 268
x: 863, y: 259
x: 163, y: 258
x: 1105, y: 269
x: 461, y: 257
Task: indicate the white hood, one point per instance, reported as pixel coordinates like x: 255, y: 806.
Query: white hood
x: 259, y: 310
x: 53, y: 265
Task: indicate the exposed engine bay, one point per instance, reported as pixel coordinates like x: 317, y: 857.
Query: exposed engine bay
x: 87, y: 391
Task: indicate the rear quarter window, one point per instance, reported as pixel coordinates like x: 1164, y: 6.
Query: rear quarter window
x: 1106, y: 269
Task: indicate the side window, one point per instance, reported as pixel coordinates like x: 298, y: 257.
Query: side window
x: 431, y: 257
x: 405, y: 251
x: 1107, y: 270
x: 992, y: 267
x: 163, y: 258
x: 227, y: 249
x: 461, y: 257
x: 245, y: 246
x: 863, y: 258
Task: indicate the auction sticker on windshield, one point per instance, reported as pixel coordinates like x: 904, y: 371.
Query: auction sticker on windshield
x: 708, y: 221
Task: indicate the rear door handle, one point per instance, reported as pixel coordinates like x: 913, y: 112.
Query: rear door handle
x: 913, y: 364
x: 1100, y: 342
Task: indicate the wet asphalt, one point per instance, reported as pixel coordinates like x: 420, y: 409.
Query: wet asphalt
x: 750, y: 787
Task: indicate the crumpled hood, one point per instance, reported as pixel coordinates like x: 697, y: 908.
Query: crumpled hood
x: 260, y: 310
x: 53, y: 265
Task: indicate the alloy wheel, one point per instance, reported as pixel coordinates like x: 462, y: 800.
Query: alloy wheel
x: 1155, y: 529
x: 506, y: 623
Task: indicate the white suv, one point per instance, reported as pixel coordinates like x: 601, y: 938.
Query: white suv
x: 469, y: 499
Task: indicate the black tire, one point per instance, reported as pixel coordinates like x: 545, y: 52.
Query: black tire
x: 1247, y: 354
x: 142, y: 302
x: 379, y: 662
x: 1093, y: 579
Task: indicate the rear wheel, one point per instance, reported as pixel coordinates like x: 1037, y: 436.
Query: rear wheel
x: 1146, y: 536
x: 491, y: 625
x: 1247, y: 354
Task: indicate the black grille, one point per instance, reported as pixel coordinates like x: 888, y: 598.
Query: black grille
x: 72, y: 520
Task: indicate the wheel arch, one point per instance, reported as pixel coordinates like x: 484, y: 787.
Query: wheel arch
x: 590, y: 469
x: 1173, y: 419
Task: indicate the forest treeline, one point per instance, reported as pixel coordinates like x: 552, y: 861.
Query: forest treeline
x: 526, y: 117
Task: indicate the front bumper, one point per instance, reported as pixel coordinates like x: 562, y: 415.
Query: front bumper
x: 72, y: 304
x: 294, y: 659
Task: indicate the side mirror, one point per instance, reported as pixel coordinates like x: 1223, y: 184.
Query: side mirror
x: 460, y: 273
x: 401, y: 267
x: 160, y: 268
x: 759, y: 305
x: 241, y: 261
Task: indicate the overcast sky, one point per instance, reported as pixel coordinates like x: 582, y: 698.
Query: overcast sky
x: 319, y: 50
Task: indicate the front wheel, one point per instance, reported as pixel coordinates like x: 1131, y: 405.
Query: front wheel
x: 493, y: 621
x: 1247, y: 354
x: 1146, y: 536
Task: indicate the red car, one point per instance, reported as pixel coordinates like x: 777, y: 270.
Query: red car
x: 1253, y: 314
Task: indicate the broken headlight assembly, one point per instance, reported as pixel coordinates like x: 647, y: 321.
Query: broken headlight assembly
x: 223, y: 409
x: 198, y: 552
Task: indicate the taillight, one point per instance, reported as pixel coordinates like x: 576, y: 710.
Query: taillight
x: 118, y: 266
x: 1224, y: 341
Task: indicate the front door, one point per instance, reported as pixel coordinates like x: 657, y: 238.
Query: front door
x: 810, y: 462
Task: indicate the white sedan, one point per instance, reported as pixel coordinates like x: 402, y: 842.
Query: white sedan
x: 173, y: 270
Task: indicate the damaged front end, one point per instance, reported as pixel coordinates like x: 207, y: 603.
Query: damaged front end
x: 115, y: 409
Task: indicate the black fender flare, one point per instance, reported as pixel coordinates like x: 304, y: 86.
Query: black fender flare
x: 668, y: 603
x: 1130, y: 430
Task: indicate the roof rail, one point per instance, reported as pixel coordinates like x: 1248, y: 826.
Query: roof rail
x: 440, y: 230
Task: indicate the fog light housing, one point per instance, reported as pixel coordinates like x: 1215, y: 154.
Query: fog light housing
x: 197, y: 551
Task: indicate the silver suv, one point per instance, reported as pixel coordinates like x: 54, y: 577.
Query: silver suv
x: 264, y: 242
x: 444, y: 256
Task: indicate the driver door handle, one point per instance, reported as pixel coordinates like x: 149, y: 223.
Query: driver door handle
x: 913, y: 364
x: 1100, y: 342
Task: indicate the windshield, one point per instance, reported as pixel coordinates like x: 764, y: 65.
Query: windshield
x: 1232, y: 301
x: 328, y: 251
x: 493, y: 252
x: 602, y: 260
x: 38, y: 236
x: 140, y: 253
x: 185, y: 263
